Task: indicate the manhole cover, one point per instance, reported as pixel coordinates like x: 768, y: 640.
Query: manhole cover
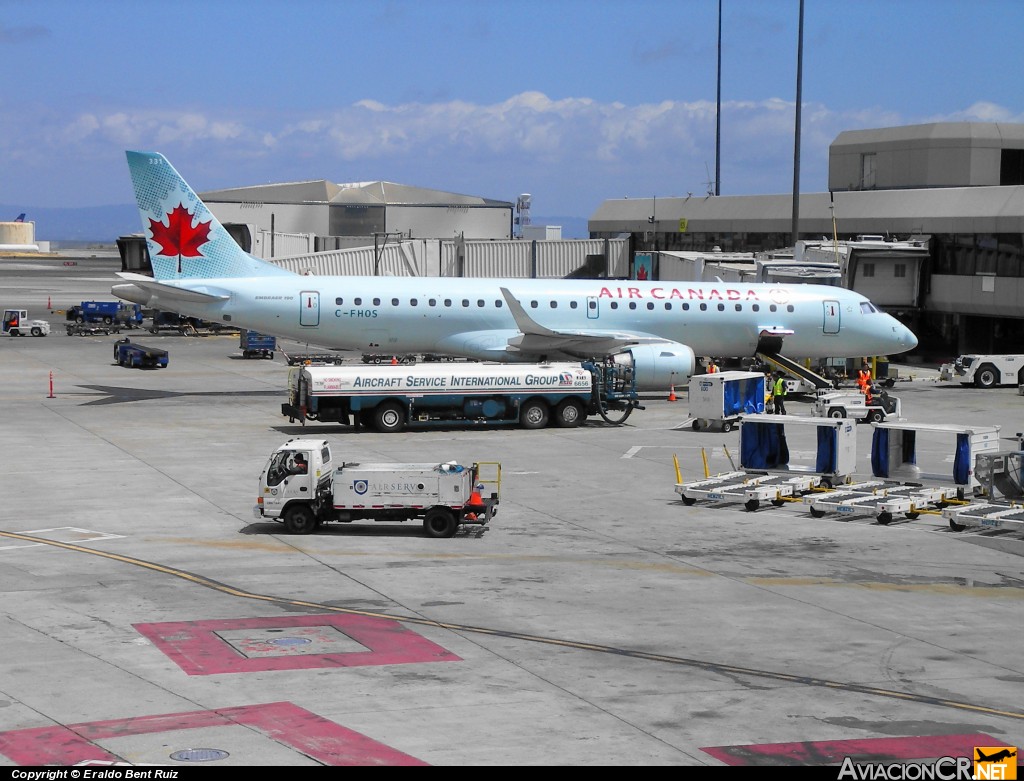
x: 199, y: 755
x: 290, y: 641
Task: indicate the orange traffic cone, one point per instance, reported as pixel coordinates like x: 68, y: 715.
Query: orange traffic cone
x: 672, y: 393
x: 394, y: 360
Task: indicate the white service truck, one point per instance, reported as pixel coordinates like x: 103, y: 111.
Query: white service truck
x: 850, y: 403
x: 17, y: 323
x: 302, y: 487
x: 985, y: 371
x: 532, y: 395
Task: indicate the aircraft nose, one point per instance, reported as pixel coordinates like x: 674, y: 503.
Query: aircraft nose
x: 906, y: 338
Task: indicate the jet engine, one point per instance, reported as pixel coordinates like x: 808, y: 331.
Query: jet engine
x: 659, y: 365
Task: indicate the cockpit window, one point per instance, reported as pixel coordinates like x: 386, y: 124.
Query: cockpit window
x: 866, y: 307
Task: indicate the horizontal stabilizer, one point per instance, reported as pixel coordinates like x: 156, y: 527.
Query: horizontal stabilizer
x: 168, y: 292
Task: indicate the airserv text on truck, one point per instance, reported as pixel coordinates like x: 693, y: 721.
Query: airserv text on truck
x: 301, y: 486
x: 529, y: 394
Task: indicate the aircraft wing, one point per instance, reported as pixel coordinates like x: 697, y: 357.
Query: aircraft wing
x: 139, y: 286
x: 534, y: 338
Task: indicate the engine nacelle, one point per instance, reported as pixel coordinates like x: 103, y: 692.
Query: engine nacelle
x: 659, y: 365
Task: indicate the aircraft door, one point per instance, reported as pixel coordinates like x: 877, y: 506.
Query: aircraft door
x: 593, y: 308
x: 831, y: 322
x: 309, y: 314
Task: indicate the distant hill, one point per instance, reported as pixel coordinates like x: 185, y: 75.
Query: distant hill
x: 99, y: 224
x: 104, y: 224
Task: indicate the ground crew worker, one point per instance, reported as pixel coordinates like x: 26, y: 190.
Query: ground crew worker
x: 864, y: 381
x: 712, y: 366
x: 779, y: 393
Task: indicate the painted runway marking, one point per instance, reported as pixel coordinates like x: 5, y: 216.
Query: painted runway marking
x: 833, y: 752
x: 241, y: 645
x: 292, y: 730
x: 713, y: 667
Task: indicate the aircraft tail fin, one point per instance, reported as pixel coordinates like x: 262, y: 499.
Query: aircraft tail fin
x: 185, y: 240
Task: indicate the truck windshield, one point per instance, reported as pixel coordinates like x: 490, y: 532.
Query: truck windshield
x: 280, y: 466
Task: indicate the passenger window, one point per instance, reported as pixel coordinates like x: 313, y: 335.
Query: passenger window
x: 591, y: 305
x: 668, y: 307
x: 703, y: 307
x: 447, y: 302
x: 465, y: 302
x: 755, y: 307
x: 686, y: 307
x: 650, y: 306
x: 376, y: 302
x: 721, y: 307
x: 413, y: 302
x: 339, y: 301
x: 480, y: 302
x: 614, y: 304
x: 498, y: 304
x: 357, y: 301
x: 533, y: 305
x: 554, y: 305
x: 772, y: 308
x: 739, y: 307
x: 432, y: 302
x: 394, y: 302
x: 789, y: 308
x: 574, y: 304
x: 632, y: 304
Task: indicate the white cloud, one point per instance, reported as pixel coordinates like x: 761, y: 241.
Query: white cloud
x: 571, y: 152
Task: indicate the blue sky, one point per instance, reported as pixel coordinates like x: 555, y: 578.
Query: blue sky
x: 573, y: 101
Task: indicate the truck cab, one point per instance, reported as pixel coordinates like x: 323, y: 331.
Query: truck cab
x: 17, y: 323
x: 297, y: 475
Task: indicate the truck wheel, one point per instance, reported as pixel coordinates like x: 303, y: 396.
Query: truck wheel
x: 37, y: 331
x: 107, y: 321
x: 986, y: 376
x: 957, y: 527
x: 389, y: 417
x: 79, y: 319
x: 876, y: 416
x: 439, y: 522
x: 299, y: 519
x: 569, y: 414
x: 884, y: 518
x: 837, y: 412
x: 726, y: 426
x: 533, y: 414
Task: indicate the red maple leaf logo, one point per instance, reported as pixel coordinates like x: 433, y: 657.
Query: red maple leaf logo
x: 179, y: 237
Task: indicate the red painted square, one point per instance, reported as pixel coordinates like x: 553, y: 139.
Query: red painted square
x: 196, y: 647
x: 832, y: 752
x: 282, y: 722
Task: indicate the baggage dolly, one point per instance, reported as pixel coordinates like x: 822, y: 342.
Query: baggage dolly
x: 992, y: 516
x: 913, y: 503
x: 751, y: 488
x: 842, y: 499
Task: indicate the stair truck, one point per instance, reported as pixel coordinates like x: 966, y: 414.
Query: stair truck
x: 303, y: 488
x: 532, y: 395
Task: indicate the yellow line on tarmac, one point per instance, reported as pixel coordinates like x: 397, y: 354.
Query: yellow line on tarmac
x: 713, y: 667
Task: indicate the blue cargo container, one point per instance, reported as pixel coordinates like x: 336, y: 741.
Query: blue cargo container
x: 257, y: 345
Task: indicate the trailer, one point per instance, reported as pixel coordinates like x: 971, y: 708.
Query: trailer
x: 312, y: 359
x: 257, y: 345
x: 91, y: 329
x: 883, y: 499
x: 717, y: 400
x: 303, y: 488
x: 985, y: 370
x: 532, y: 395
x: 135, y: 356
x: 16, y: 322
x: 987, y: 515
x: 751, y: 488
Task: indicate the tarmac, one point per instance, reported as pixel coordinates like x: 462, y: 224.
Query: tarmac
x: 149, y: 619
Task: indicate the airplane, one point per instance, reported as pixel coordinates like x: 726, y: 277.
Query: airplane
x: 655, y: 327
x: 997, y: 757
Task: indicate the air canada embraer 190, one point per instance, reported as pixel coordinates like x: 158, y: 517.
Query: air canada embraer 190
x: 656, y: 327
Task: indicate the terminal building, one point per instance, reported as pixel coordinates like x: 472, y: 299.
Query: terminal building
x: 954, y: 188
